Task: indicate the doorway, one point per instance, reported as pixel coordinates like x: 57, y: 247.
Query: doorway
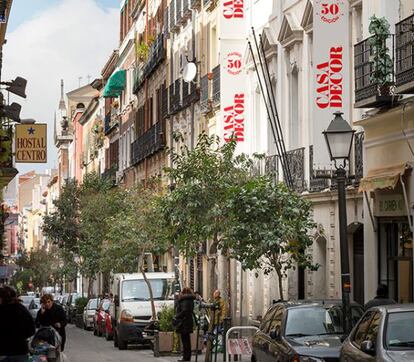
x: 396, y: 259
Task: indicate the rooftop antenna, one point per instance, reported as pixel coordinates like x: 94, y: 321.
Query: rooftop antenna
x: 62, y: 104
x: 79, y: 81
x: 89, y: 78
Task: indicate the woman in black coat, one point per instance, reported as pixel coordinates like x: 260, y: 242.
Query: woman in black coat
x: 184, y: 320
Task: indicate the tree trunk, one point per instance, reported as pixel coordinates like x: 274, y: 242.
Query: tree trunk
x: 90, y: 287
x: 280, y: 277
x: 151, y: 295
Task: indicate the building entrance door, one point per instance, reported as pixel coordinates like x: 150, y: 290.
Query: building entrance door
x: 396, y: 259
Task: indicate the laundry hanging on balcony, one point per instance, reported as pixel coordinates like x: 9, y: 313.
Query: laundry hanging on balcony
x: 116, y: 84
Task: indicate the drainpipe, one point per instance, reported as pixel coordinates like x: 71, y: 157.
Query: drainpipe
x: 146, y: 96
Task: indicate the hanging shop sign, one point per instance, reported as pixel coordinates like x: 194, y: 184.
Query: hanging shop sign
x: 331, y: 73
x: 389, y: 205
x: 31, y: 143
x: 233, y: 78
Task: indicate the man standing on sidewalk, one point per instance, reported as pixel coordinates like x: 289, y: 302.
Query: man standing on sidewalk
x: 52, y: 314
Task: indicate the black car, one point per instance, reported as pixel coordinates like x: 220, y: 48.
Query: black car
x: 303, y: 331
x: 70, y: 307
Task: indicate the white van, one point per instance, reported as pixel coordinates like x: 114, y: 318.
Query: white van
x: 131, y: 311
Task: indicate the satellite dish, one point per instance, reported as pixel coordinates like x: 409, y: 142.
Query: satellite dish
x: 189, y: 72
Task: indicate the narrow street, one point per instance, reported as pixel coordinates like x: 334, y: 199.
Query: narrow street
x: 83, y: 346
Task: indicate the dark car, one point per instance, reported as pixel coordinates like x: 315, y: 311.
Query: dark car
x: 302, y: 331
x: 71, y: 307
x: 383, y: 334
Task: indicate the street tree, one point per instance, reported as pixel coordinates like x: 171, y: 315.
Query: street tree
x: 93, y: 228
x: 135, y: 230
x: 195, y: 210
x: 62, y: 227
x: 269, y: 227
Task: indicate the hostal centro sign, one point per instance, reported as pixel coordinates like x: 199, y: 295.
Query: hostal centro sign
x: 31, y: 143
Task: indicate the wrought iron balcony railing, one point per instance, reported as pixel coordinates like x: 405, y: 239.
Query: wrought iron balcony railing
x: 190, y: 93
x: 179, y: 12
x: 111, y: 121
x: 318, y: 179
x: 296, y: 164
x: 216, y: 86
x: 138, y: 79
x: 374, y: 72
x: 186, y: 9
x: 205, y: 103
x: 269, y: 165
x: 171, y: 95
x: 149, y: 143
x: 172, y: 17
x: 404, y: 55
x: 176, y: 104
x: 156, y: 55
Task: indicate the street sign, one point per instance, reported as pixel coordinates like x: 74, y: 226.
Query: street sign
x: 31, y: 143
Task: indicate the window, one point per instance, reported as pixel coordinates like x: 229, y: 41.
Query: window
x: 162, y: 289
x: 359, y: 335
x: 400, y: 331
x: 372, y: 331
x: 294, y: 109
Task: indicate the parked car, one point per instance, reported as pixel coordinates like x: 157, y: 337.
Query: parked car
x: 89, y: 312
x: 383, y: 334
x: 34, y: 307
x: 71, y: 307
x: 99, y: 319
x: 26, y: 299
x: 302, y: 331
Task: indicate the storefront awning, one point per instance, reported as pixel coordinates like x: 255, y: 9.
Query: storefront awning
x: 382, y: 178
x: 115, y: 85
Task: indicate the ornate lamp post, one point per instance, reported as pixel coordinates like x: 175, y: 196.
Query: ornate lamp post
x: 339, y: 137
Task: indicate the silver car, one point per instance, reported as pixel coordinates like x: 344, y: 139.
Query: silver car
x: 89, y: 312
x: 383, y: 333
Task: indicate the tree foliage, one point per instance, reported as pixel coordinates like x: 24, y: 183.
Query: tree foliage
x: 269, y: 227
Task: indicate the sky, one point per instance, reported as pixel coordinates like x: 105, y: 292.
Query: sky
x: 49, y: 40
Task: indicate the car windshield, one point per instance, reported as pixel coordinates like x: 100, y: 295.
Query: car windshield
x: 162, y: 289
x: 93, y: 304
x: 311, y: 321
x: 400, y: 331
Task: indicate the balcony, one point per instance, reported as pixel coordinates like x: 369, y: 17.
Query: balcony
x: 179, y: 12
x: 156, y: 55
x: 296, y: 163
x: 318, y: 179
x: 171, y: 18
x: 111, y: 121
x: 209, y: 4
x: 205, y: 102
x: 269, y: 165
x: 404, y: 56
x: 374, y: 72
x: 7, y: 171
x: 216, y: 86
x: 195, y: 4
x: 149, y: 143
x: 138, y: 79
x: 176, y: 104
x: 190, y: 94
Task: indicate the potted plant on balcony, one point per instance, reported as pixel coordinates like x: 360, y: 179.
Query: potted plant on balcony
x: 142, y: 51
x: 380, y: 59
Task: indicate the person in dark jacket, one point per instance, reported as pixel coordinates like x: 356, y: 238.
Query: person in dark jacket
x: 381, y: 298
x: 184, y: 320
x: 52, y: 314
x: 16, y: 326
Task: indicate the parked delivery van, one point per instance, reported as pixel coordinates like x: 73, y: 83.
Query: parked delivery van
x: 131, y: 308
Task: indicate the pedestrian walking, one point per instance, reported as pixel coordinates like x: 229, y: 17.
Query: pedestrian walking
x: 183, y: 320
x: 52, y: 314
x: 381, y: 298
x: 16, y: 327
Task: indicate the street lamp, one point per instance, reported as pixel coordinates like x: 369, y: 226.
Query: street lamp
x: 339, y: 137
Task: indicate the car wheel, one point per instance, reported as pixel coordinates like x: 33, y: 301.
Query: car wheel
x: 122, y: 344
